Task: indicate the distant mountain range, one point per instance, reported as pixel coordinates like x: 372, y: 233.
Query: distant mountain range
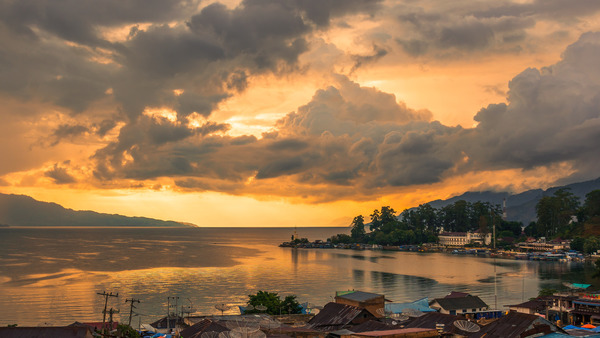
x: 520, y: 207
x: 20, y: 210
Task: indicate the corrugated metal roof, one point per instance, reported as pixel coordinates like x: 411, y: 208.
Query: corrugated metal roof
x: 205, y: 325
x: 394, y: 332
x: 468, y: 302
x: 337, y: 316
x: 46, y: 332
x: 431, y: 319
x: 514, y: 324
x: 360, y: 296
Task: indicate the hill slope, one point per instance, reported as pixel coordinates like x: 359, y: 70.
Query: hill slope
x: 20, y: 210
x: 520, y: 207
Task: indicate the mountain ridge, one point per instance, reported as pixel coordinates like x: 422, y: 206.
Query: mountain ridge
x: 22, y: 210
x: 519, y: 207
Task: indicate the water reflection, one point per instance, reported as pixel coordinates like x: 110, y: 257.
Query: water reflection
x: 58, y: 273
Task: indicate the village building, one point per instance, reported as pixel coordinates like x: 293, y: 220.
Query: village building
x: 515, y: 325
x: 530, y: 307
x: 372, y: 302
x: 543, y: 245
x: 458, y: 303
x: 44, y: 331
x: 460, y: 239
x: 337, y: 316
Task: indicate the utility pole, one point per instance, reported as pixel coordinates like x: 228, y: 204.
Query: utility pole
x: 110, y: 320
x: 106, y: 295
x: 132, y: 300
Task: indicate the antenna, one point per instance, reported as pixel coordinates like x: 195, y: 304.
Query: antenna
x: 467, y: 326
x: 222, y: 308
x: 261, y: 308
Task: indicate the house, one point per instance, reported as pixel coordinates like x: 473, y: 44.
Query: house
x: 457, y: 239
x: 531, y: 307
x: 436, y: 320
x: 516, y: 324
x: 372, y: 302
x: 399, y: 333
x: 336, y: 316
x: 42, y: 332
x: 463, y: 305
x: 205, y: 325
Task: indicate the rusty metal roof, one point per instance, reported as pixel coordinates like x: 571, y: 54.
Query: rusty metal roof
x: 360, y: 296
x: 336, y: 316
x: 514, y: 324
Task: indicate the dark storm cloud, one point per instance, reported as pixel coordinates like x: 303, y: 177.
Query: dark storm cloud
x: 79, y: 20
x: 552, y: 115
x: 60, y: 175
x: 321, y: 11
x: 460, y: 28
x: 68, y: 131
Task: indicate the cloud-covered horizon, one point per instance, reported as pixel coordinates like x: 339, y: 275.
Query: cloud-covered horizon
x: 127, y: 94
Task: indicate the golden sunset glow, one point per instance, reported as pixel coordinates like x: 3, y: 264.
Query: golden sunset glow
x: 235, y: 113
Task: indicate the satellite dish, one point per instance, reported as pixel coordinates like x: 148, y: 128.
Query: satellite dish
x: 399, y: 316
x: 210, y: 334
x: 466, y: 326
x: 394, y: 322
x: 269, y: 323
x: 229, y: 334
x: 222, y: 307
x: 383, y: 312
x: 261, y: 307
x: 412, y: 312
x: 242, y: 325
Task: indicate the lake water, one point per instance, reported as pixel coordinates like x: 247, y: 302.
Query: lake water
x: 52, y: 276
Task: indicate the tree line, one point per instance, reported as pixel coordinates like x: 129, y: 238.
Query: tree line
x: 559, y: 215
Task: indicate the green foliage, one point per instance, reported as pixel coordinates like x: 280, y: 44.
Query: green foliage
x: 597, y: 264
x: 341, y: 239
x: 126, y: 331
x: 274, y: 303
x: 358, y: 229
x: 300, y: 240
x: 12, y: 325
x: 590, y: 245
x: 577, y: 244
x: 547, y: 292
x: 554, y: 213
x: 591, y: 205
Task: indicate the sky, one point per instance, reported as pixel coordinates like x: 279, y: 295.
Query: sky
x: 293, y: 112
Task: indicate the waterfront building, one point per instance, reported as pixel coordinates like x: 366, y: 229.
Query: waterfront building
x: 460, y: 239
x: 543, y: 245
x: 372, y: 302
x: 530, y: 307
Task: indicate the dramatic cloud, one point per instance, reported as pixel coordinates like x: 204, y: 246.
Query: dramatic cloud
x: 308, y: 99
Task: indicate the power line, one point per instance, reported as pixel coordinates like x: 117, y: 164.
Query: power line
x: 106, y: 295
x: 132, y: 300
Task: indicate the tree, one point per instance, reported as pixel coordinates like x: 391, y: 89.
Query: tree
x: 384, y: 220
x: 358, y: 228
x: 554, y: 212
x: 126, y: 331
x: 273, y: 303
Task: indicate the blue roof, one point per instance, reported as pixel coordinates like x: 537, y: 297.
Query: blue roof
x: 421, y: 305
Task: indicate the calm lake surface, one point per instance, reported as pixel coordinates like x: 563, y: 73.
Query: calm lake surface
x: 52, y: 276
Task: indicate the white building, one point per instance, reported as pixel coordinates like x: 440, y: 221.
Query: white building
x: 463, y: 238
